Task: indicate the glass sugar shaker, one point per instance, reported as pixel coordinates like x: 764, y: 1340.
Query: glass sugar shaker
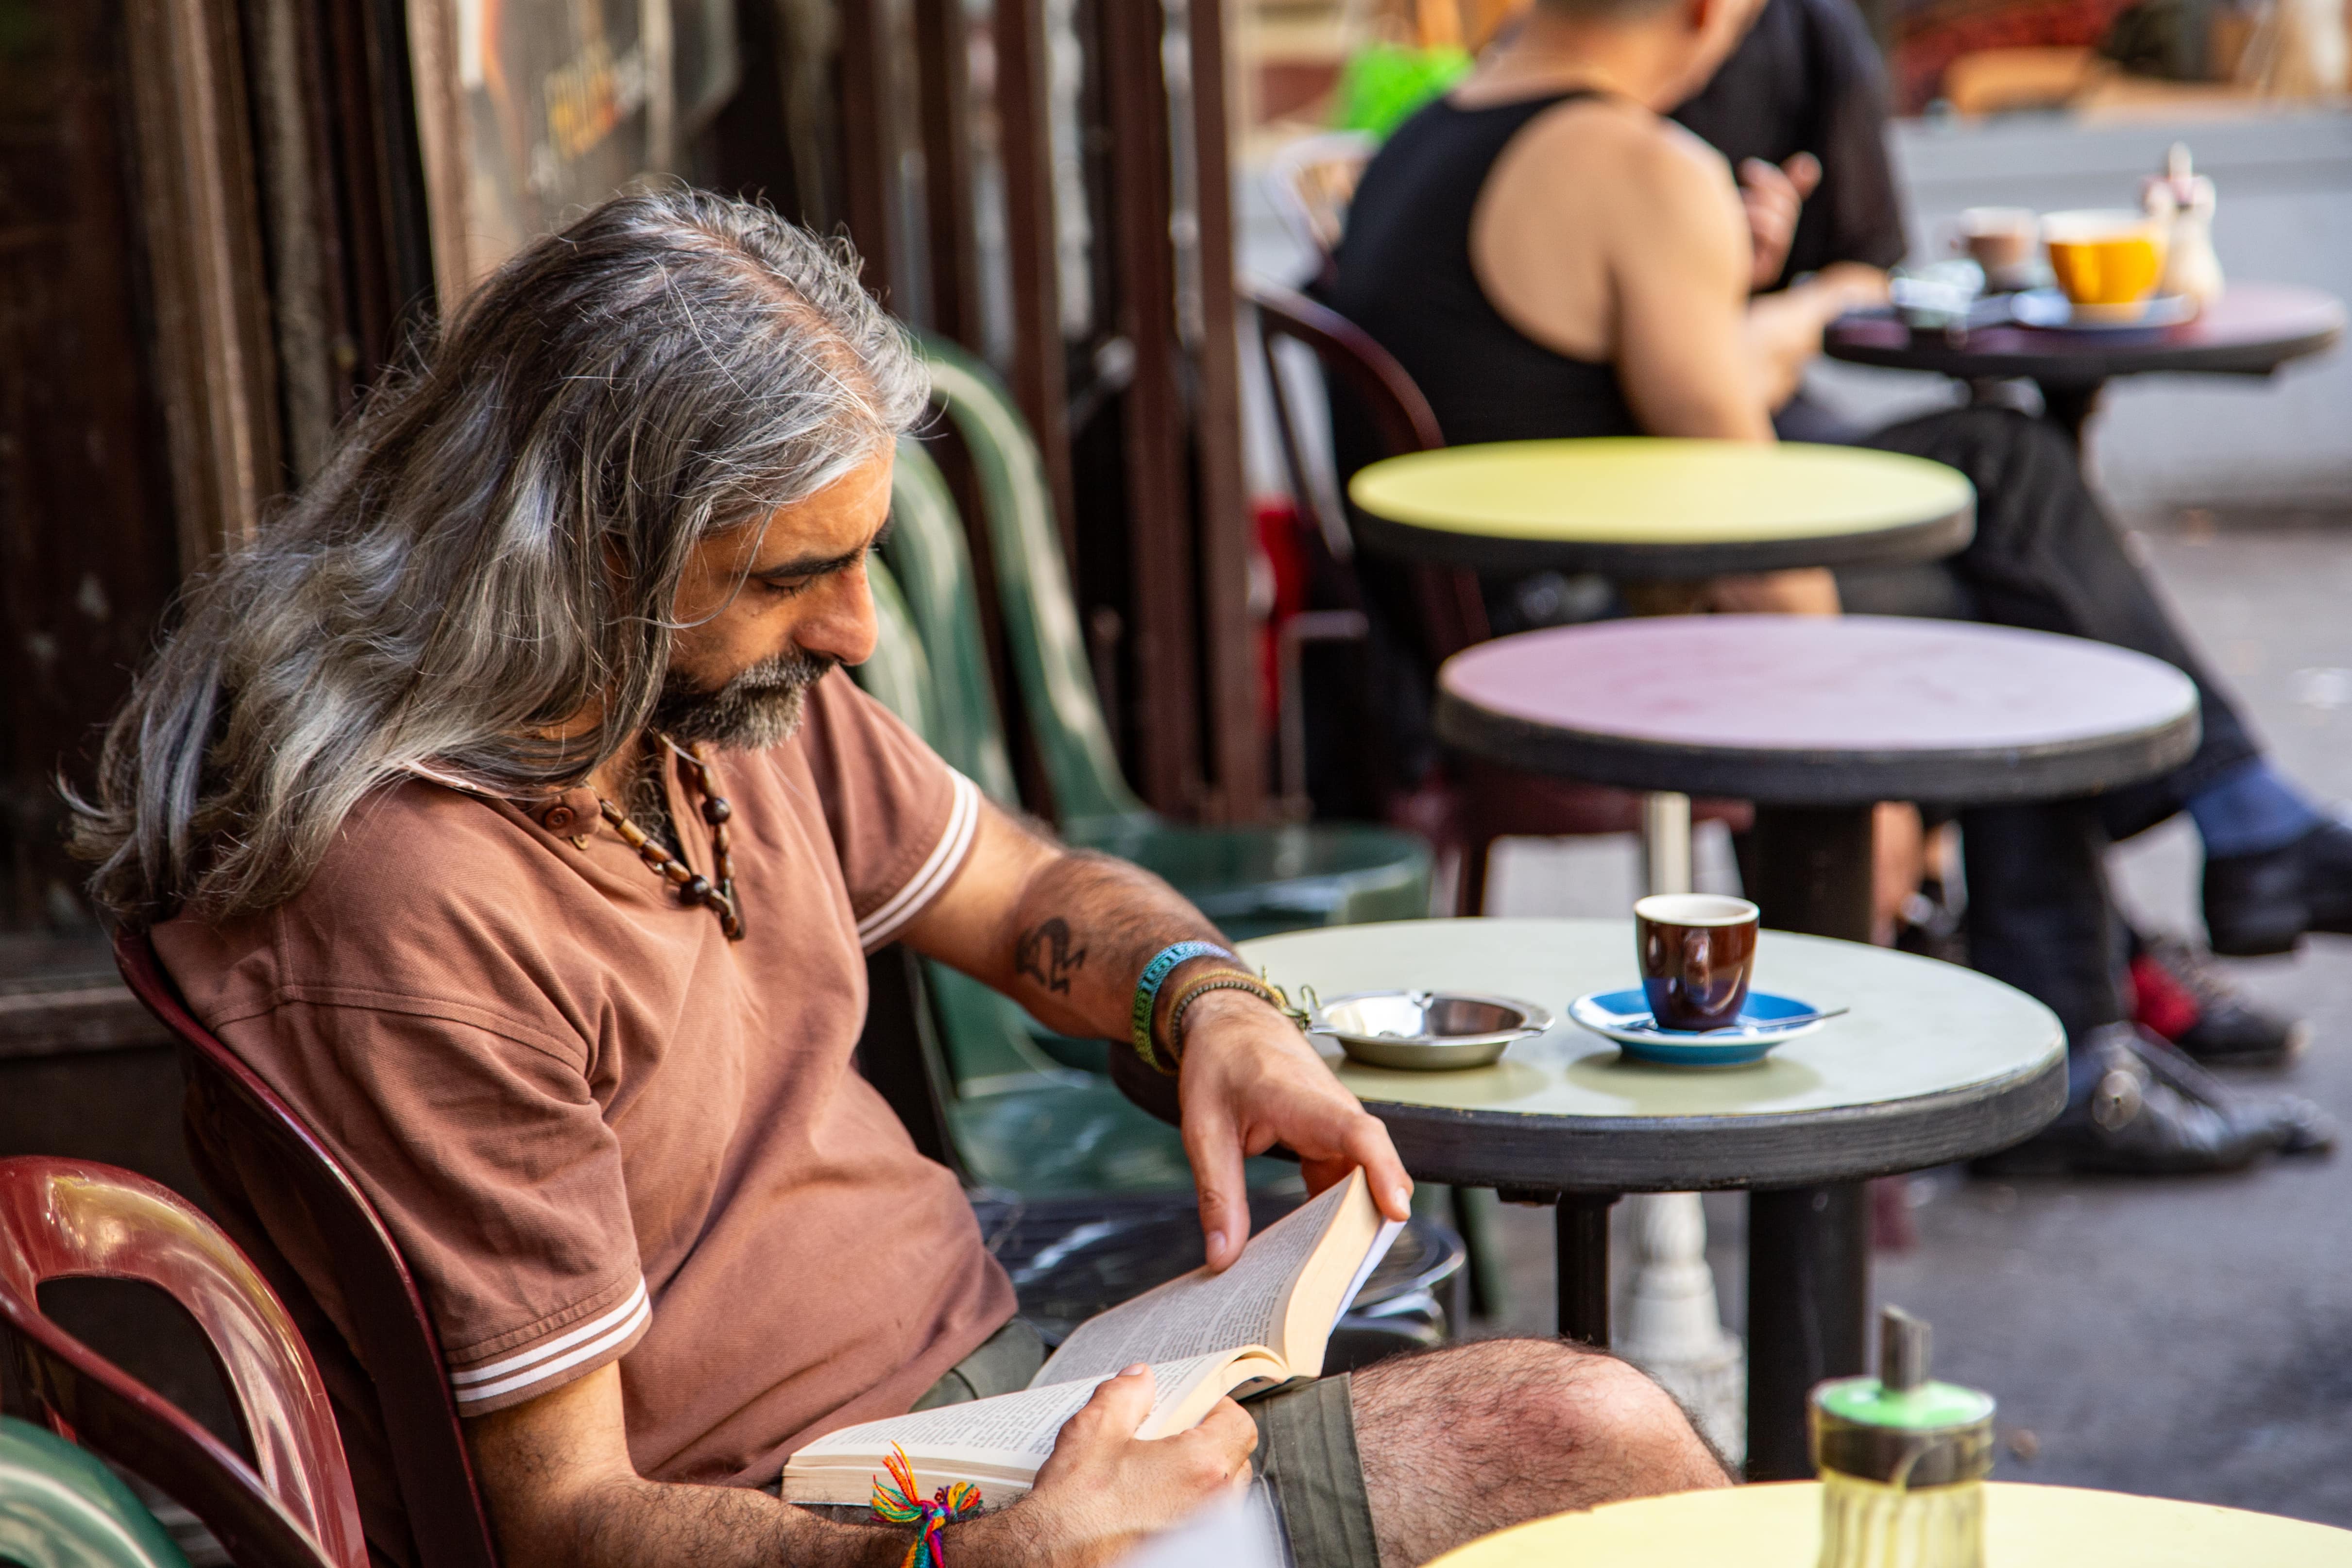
x: 1902, y: 1460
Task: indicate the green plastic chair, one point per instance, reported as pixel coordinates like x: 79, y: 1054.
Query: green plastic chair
x: 1022, y: 1122
x: 1251, y: 880
x: 59, y: 1508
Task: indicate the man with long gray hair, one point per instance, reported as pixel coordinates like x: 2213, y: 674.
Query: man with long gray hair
x: 503, y: 805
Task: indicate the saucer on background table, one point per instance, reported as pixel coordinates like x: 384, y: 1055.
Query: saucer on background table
x: 2050, y: 308
x: 1624, y: 1016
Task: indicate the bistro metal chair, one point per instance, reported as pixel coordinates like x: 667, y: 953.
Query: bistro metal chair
x: 290, y: 1507
x: 398, y: 1351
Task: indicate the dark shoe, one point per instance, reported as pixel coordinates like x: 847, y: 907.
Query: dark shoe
x: 2135, y: 1123
x: 2299, y: 1126
x: 2177, y: 992
x: 2258, y: 904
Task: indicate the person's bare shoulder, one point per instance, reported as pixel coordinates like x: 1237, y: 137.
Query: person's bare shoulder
x: 1586, y: 190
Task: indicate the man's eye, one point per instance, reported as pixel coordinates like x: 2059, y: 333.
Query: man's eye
x: 788, y: 589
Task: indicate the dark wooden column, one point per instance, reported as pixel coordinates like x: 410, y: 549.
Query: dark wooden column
x: 867, y: 161
x: 1039, y: 376
x: 943, y: 55
x: 1159, y: 489
x: 1236, y: 745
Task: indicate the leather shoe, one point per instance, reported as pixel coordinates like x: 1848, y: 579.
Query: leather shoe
x: 2135, y: 1121
x: 2259, y: 904
x: 2299, y: 1126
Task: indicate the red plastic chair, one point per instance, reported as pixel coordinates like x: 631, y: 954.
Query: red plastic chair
x: 1477, y: 801
x: 394, y: 1335
x: 292, y: 1506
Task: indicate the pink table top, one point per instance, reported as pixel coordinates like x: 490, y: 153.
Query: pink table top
x: 1840, y: 709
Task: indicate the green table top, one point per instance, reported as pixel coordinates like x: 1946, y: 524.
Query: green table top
x: 1934, y: 1062
x: 1649, y: 506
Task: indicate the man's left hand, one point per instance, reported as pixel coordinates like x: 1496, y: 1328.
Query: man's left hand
x: 1250, y: 1080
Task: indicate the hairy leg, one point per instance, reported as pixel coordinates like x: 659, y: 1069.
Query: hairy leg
x: 1462, y: 1441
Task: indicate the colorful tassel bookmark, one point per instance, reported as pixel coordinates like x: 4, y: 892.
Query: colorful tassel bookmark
x: 898, y: 1502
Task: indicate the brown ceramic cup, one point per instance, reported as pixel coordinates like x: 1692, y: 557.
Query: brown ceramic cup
x: 1697, y: 952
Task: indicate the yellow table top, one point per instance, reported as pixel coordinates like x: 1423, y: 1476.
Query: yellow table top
x: 1918, y: 1027
x: 1779, y: 1526
x: 1649, y: 490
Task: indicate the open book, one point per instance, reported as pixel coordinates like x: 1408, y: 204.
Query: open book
x: 1263, y: 1321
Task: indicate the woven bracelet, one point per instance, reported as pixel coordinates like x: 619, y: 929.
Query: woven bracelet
x: 1220, y: 980
x: 1147, y: 992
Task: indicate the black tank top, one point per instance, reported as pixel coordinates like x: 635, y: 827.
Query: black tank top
x: 1404, y: 276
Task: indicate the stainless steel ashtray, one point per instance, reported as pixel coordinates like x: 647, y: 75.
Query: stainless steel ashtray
x: 1425, y: 1031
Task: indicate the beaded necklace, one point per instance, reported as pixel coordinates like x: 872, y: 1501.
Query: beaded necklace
x: 692, y: 887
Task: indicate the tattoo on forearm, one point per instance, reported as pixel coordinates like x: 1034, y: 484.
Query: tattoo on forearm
x: 1045, y: 955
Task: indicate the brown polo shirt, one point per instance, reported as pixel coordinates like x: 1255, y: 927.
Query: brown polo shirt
x: 598, y: 1129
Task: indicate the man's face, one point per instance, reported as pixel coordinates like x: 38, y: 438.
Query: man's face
x: 767, y: 609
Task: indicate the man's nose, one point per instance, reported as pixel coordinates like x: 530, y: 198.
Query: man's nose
x: 846, y: 626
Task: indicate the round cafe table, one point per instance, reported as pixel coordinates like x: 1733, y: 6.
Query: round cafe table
x: 2253, y: 329
x: 1780, y: 1526
x: 1816, y: 719
x: 1645, y: 508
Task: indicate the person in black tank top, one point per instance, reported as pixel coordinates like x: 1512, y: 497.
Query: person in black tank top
x: 2045, y: 556
x: 1405, y: 276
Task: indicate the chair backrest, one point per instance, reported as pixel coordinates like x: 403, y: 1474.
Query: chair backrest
x: 1033, y: 583
x: 59, y: 1219
x: 59, y: 1505
x: 393, y: 1333
x: 1452, y: 609
x: 933, y: 566
x: 898, y: 674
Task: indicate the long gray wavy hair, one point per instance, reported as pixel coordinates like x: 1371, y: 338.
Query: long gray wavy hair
x: 495, y: 546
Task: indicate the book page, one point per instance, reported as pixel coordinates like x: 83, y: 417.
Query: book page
x: 1389, y: 1230
x: 1203, y: 1313
x: 1023, y: 1424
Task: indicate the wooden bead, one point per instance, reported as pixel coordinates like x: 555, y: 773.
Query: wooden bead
x: 716, y: 810
x: 694, y: 890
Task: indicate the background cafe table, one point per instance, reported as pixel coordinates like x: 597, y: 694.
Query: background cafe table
x: 1816, y: 719
x: 1644, y: 508
x: 2025, y: 1527
x: 2253, y: 329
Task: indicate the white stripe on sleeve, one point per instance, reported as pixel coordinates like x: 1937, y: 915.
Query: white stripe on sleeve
x: 946, y: 857
x: 546, y: 1359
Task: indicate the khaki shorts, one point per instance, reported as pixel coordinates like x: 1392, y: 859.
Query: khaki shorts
x: 1305, y: 1456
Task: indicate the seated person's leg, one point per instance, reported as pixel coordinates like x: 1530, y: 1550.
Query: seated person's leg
x: 1459, y: 1442
x: 2045, y: 557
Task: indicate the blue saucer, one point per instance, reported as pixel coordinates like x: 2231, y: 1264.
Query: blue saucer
x: 1624, y: 1016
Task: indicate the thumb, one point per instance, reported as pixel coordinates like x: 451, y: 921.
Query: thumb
x: 1804, y: 171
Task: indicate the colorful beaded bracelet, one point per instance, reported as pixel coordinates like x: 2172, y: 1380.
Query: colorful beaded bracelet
x: 1222, y: 980
x: 1147, y: 992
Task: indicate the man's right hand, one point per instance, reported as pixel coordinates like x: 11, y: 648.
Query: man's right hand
x: 1104, y: 1489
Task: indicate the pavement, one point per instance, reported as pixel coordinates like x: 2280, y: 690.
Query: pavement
x: 2187, y: 1338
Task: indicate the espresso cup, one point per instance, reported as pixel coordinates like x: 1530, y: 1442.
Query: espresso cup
x: 1697, y: 952
x: 2108, y: 263
x: 2001, y: 242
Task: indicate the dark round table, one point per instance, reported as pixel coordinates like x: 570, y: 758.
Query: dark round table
x: 2253, y: 329
x: 1816, y: 719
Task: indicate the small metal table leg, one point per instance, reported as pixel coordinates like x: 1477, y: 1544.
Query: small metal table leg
x: 1808, y: 1247
x: 1582, y: 1221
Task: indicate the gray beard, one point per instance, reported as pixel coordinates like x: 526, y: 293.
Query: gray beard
x: 760, y: 707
